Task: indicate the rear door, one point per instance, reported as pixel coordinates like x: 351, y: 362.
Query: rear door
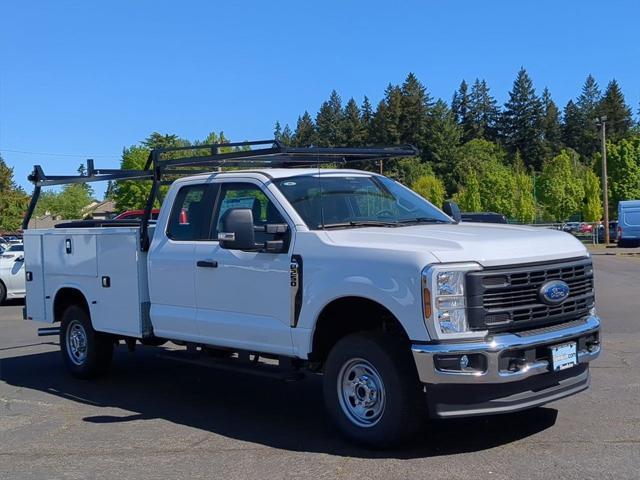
x: 245, y: 298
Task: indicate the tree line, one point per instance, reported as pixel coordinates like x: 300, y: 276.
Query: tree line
x: 527, y: 159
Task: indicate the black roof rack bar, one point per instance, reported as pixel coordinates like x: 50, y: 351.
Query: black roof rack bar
x: 274, y: 154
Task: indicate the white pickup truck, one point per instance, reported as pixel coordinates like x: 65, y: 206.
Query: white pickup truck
x: 406, y: 312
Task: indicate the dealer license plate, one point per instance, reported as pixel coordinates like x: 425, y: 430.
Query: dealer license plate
x: 564, y: 356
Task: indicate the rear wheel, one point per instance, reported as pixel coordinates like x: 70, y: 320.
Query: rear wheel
x: 372, y: 391
x: 3, y: 293
x: 86, y: 353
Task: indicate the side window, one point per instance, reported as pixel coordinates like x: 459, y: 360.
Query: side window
x: 189, y: 216
x: 247, y: 195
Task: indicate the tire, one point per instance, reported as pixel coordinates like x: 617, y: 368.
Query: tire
x: 86, y: 353
x: 378, y: 371
x: 3, y: 293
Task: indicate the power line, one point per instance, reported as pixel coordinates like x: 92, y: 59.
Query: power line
x: 49, y: 154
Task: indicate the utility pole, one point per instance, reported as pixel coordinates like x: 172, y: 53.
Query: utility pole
x: 605, y: 190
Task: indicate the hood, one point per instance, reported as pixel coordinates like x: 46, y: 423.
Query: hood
x: 486, y: 244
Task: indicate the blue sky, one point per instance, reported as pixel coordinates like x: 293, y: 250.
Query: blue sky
x: 85, y: 79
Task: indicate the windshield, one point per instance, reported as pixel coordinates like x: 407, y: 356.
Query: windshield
x: 16, y: 248
x: 332, y: 201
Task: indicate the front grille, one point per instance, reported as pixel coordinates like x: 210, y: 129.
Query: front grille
x: 507, y: 298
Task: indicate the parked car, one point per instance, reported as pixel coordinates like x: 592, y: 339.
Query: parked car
x: 613, y: 232
x: 12, y: 277
x: 483, y: 217
x: 13, y: 251
x: 571, y: 227
x: 137, y: 214
x: 629, y: 223
x: 404, y: 310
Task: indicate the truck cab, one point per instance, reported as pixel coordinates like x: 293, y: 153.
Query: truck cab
x: 406, y: 312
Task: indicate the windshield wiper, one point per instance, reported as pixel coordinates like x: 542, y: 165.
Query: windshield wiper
x: 421, y: 220
x: 359, y: 223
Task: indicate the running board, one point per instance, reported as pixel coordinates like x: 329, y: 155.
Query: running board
x: 237, y: 365
x: 45, y: 332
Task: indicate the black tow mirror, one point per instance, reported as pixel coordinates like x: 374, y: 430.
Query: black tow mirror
x: 451, y: 208
x: 238, y: 233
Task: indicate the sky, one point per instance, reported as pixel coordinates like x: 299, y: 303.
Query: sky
x: 85, y: 79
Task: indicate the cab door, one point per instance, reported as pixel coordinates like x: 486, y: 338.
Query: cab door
x: 172, y: 263
x: 244, y: 298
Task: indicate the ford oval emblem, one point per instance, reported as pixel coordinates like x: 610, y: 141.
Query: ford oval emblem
x: 554, y: 292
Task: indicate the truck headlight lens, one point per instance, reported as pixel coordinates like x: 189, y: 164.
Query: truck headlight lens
x: 444, y: 289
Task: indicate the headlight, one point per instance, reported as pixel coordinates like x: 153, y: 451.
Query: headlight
x: 444, y: 300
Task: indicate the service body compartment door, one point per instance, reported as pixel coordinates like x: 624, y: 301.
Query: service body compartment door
x: 69, y: 253
x: 35, y: 277
x: 118, y: 305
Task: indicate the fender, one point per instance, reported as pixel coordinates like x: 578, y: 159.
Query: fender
x: 50, y: 300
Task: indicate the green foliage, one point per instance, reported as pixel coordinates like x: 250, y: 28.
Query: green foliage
x: 442, y: 138
x: 132, y: 194
x: 470, y: 157
x: 551, y: 127
x: 354, y: 131
x: 329, y: 122
x: 431, y: 188
x: 305, y: 134
x: 13, y: 200
x: 618, y: 113
x: 483, y: 114
x: 522, y: 125
x: 562, y: 186
x: 524, y: 204
x: 623, y: 162
x: 407, y: 170
x: 468, y: 197
x: 592, y: 205
x: 68, y: 204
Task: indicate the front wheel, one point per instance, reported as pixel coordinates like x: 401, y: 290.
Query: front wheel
x: 371, y: 390
x: 86, y: 353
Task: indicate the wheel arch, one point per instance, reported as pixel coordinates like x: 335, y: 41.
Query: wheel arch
x: 345, y: 315
x: 65, y: 297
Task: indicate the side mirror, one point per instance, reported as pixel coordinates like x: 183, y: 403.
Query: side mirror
x: 451, y: 208
x: 20, y: 259
x: 238, y: 233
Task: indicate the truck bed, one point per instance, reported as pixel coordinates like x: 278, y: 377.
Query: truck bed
x: 106, y: 264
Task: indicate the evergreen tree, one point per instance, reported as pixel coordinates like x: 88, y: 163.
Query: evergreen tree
x: 618, y: 113
x: 460, y: 104
x: 353, y: 131
x: 552, y: 129
x: 580, y: 132
x: 277, y: 131
x: 415, y: 103
x: 522, y: 121
x: 391, y: 115
x: 366, y: 118
x: 571, y: 126
x: 305, y: 134
x: 329, y: 122
x: 442, y: 139
x: 283, y: 136
x: 483, y: 114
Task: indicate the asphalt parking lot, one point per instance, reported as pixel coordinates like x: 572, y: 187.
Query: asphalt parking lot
x: 155, y: 418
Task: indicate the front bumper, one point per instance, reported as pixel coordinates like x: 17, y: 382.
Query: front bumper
x: 515, y: 370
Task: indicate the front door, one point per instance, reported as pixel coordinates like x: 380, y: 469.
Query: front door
x: 244, y: 298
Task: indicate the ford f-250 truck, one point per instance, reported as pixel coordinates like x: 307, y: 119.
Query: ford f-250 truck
x: 405, y: 311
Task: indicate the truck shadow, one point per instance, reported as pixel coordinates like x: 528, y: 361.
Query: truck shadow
x: 281, y: 415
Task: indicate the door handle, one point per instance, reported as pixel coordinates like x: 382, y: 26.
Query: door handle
x: 207, y: 264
